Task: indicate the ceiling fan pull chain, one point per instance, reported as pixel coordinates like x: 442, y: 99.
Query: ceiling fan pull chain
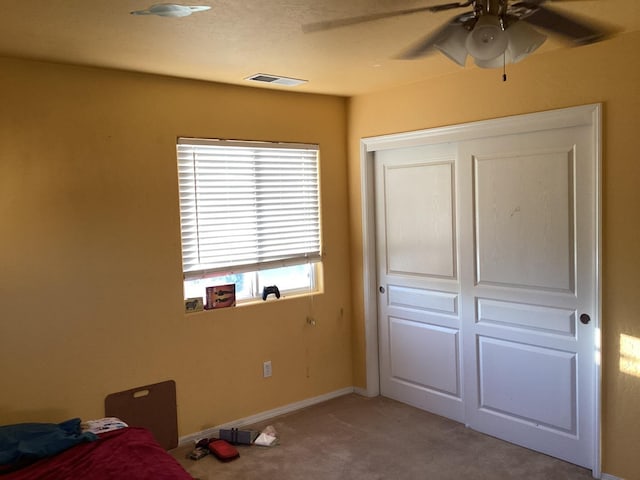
x: 504, y: 66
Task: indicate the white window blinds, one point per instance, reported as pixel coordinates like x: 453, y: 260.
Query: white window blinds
x: 247, y: 206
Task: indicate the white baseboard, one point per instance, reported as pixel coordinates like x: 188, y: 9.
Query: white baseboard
x: 606, y: 476
x: 364, y: 392
x: 259, y: 417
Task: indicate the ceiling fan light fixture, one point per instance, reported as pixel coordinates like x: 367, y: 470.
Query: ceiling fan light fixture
x: 497, y: 62
x: 487, y: 40
x: 453, y: 45
x: 523, y: 40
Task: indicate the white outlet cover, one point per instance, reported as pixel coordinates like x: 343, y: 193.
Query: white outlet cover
x: 266, y: 369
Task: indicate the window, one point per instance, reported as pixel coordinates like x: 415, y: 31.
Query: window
x: 250, y: 215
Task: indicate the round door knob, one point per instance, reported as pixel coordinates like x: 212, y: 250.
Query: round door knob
x: 382, y: 290
x: 585, y: 319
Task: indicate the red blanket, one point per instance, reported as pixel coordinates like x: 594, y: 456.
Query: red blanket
x: 129, y: 453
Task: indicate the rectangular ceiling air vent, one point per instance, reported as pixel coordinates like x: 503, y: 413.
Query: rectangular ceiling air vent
x: 275, y: 79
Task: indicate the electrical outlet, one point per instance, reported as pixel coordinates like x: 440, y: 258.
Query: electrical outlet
x: 266, y: 369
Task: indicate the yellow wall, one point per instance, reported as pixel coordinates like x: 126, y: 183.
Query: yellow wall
x: 90, y: 281
x: 609, y: 73
x: 90, y: 264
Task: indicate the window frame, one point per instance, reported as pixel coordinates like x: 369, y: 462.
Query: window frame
x: 312, y: 257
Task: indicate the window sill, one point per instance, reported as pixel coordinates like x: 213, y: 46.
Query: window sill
x: 259, y: 301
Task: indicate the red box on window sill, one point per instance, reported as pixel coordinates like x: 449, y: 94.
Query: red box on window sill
x: 221, y: 296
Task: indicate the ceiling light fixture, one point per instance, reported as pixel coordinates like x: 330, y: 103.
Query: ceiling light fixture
x: 276, y: 79
x: 523, y: 40
x: 171, y: 10
x: 488, y: 39
x: 490, y: 43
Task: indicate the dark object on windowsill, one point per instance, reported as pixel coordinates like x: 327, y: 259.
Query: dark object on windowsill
x: 273, y: 289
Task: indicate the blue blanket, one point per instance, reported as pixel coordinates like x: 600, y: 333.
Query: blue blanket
x: 26, y: 442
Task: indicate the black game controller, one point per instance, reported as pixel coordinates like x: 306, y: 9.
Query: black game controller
x: 269, y: 290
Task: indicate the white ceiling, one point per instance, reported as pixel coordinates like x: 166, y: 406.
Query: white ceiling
x: 236, y: 39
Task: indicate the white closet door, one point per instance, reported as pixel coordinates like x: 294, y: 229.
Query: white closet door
x: 419, y: 323
x: 528, y: 276
x: 486, y: 262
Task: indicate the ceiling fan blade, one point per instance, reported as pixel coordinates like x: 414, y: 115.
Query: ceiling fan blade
x: 579, y: 32
x: 428, y: 43
x: 343, y: 22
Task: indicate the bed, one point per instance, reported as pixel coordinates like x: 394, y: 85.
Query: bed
x: 128, y: 453
x: 134, y: 452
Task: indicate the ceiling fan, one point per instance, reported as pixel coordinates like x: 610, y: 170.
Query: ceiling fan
x: 493, y: 32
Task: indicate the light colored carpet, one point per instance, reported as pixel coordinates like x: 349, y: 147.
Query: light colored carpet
x: 353, y: 437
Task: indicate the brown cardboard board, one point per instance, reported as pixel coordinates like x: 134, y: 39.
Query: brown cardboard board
x: 150, y: 406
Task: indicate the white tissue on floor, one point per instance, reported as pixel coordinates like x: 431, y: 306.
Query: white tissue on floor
x: 265, y: 440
